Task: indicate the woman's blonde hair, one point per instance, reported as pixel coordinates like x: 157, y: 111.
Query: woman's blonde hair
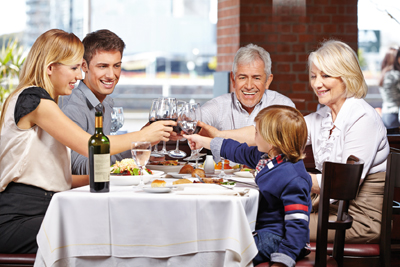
x: 337, y: 59
x: 52, y: 47
x: 285, y: 129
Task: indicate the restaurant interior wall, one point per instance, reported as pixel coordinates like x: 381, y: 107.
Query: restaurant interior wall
x: 289, y: 34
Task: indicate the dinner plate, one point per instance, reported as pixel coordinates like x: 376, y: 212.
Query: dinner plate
x: 177, y: 175
x: 156, y: 189
x: 166, y: 169
x: 245, y: 174
x: 133, y: 179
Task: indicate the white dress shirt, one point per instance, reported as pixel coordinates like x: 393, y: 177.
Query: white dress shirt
x: 226, y: 112
x: 358, y: 131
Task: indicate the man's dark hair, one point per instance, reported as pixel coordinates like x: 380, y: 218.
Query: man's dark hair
x: 101, y: 40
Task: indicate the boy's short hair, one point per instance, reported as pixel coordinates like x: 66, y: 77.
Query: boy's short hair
x: 283, y: 127
x: 101, y: 40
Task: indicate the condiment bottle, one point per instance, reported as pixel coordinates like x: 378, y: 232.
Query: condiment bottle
x: 209, y: 165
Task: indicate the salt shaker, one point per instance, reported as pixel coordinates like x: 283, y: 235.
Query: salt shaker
x: 209, y: 165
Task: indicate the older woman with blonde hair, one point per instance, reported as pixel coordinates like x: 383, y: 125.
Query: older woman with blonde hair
x: 347, y: 125
x: 35, y: 134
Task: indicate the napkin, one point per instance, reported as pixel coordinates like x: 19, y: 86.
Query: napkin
x: 209, y: 189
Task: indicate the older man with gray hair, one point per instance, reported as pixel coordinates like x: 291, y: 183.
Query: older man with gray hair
x: 250, y: 77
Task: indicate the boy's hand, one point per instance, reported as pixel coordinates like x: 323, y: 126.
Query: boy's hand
x: 196, y: 141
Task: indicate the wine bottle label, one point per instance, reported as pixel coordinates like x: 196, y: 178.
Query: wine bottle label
x: 101, y: 166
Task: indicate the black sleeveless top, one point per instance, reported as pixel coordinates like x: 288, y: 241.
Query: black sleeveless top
x: 28, y: 101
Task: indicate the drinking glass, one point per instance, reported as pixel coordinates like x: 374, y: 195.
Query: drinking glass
x: 187, y: 119
x: 152, y: 118
x: 222, y: 173
x: 178, y: 154
x: 117, y: 119
x: 141, y: 154
x: 166, y: 109
x: 196, y: 107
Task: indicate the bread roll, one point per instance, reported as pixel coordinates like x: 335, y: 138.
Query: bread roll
x: 186, y: 169
x: 182, y: 181
x: 199, y: 172
x: 158, y: 183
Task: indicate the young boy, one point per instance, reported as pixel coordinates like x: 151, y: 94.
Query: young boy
x: 284, y: 208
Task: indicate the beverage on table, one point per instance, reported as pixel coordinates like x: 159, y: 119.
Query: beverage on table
x: 99, y: 158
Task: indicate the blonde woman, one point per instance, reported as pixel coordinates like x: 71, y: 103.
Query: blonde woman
x: 35, y: 134
x: 284, y: 207
x: 347, y: 125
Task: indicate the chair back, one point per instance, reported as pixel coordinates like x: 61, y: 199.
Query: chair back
x: 340, y: 181
x: 392, y: 180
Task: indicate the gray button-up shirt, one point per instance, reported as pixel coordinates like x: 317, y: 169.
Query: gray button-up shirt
x: 80, y: 108
x: 226, y: 112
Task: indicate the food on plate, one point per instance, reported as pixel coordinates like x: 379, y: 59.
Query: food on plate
x: 126, y: 167
x: 218, y: 166
x: 199, y: 172
x: 157, y: 158
x: 158, y: 183
x: 182, y: 181
x: 211, y: 180
x: 186, y: 169
x: 246, y: 170
x: 165, y: 163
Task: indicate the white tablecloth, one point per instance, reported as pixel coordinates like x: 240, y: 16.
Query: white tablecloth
x: 128, y: 224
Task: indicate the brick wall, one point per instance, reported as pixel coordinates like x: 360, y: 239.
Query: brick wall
x: 288, y: 34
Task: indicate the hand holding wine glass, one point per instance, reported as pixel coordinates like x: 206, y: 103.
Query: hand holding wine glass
x: 117, y: 119
x: 196, y: 108
x: 187, y: 119
x: 166, y: 109
x: 152, y: 118
x: 141, y: 154
x: 178, y: 153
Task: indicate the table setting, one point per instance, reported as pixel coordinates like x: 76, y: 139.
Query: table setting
x: 162, y: 213
x: 131, y: 225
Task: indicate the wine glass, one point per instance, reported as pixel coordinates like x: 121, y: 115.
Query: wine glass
x: 152, y: 118
x: 141, y: 154
x: 166, y: 109
x: 187, y: 119
x: 178, y: 154
x: 117, y: 119
x: 196, y: 107
x: 222, y: 173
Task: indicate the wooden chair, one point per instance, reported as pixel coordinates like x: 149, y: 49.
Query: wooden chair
x: 378, y: 254
x: 17, y: 260
x: 339, y: 181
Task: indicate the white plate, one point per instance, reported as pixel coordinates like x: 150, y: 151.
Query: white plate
x: 166, y: 168
x: 133, y: 179
x: 156, y: 189
x: 245, y: 174
x: 177, y: 175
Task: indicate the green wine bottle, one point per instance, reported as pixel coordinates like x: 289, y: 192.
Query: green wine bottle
x: 99, y: 158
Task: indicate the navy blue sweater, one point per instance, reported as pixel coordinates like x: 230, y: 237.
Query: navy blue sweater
x: 285, y: 204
